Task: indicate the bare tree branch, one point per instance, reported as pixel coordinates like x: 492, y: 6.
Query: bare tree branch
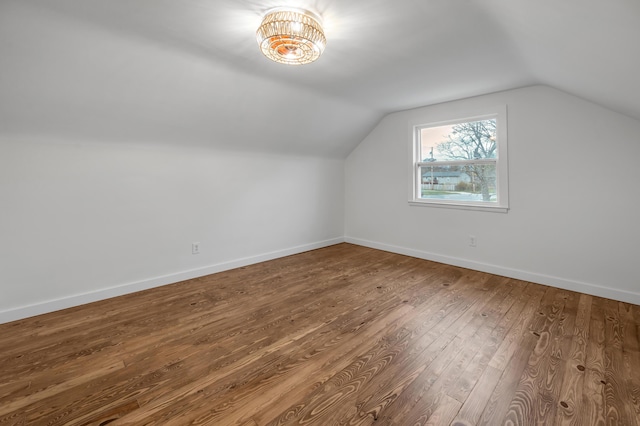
x: 471, y: 141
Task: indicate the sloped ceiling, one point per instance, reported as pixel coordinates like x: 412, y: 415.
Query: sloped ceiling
x: 189, y: 71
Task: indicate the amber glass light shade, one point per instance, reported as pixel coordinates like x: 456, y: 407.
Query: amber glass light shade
x: 291, y: 36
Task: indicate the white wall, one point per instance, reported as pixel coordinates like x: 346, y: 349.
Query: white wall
x: 573, y: 183
x: 118, y: 150
x: 82, y: 221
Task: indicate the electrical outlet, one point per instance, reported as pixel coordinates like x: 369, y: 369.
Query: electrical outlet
x: 195, y: 248
x: 473, y: 241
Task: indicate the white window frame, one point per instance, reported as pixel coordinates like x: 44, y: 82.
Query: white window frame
x: 501, y: 205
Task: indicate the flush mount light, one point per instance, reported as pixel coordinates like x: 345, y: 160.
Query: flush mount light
x: 291, y: 36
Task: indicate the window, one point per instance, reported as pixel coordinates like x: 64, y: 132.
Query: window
x: 461, y: 163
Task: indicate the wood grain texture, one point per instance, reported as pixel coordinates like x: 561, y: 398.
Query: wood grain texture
x: 343, y: 335
x: 571, y: 390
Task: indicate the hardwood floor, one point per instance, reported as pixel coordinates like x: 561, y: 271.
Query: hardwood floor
x: 343, y: 335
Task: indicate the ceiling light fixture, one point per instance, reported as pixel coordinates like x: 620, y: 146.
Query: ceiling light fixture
x: 291, y: 36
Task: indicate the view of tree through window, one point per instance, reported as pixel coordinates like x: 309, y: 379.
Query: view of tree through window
x: 458, y: 161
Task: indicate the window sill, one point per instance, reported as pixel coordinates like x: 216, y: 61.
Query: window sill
x: 453, y: 205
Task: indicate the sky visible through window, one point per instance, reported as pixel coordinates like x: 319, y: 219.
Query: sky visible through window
x: 430, y: 137
x: 460, y: 141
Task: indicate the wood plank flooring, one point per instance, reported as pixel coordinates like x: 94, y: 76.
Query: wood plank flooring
x: 343, y: 335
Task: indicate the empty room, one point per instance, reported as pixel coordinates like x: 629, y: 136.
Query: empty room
x: 328, y: 212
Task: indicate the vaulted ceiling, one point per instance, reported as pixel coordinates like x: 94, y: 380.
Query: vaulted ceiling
x: 189, y: 71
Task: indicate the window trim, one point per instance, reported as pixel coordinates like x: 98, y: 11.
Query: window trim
x: 501, y: 162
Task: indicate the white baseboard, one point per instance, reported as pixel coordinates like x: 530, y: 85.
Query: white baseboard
x: 94, y: 296
x: 587, y: 288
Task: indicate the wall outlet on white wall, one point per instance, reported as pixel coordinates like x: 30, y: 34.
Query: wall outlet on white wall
x: 195, y: 248
x: 473, y: 241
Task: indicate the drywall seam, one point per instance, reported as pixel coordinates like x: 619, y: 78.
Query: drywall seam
x: 132, y: 287
x: 581, y: 287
